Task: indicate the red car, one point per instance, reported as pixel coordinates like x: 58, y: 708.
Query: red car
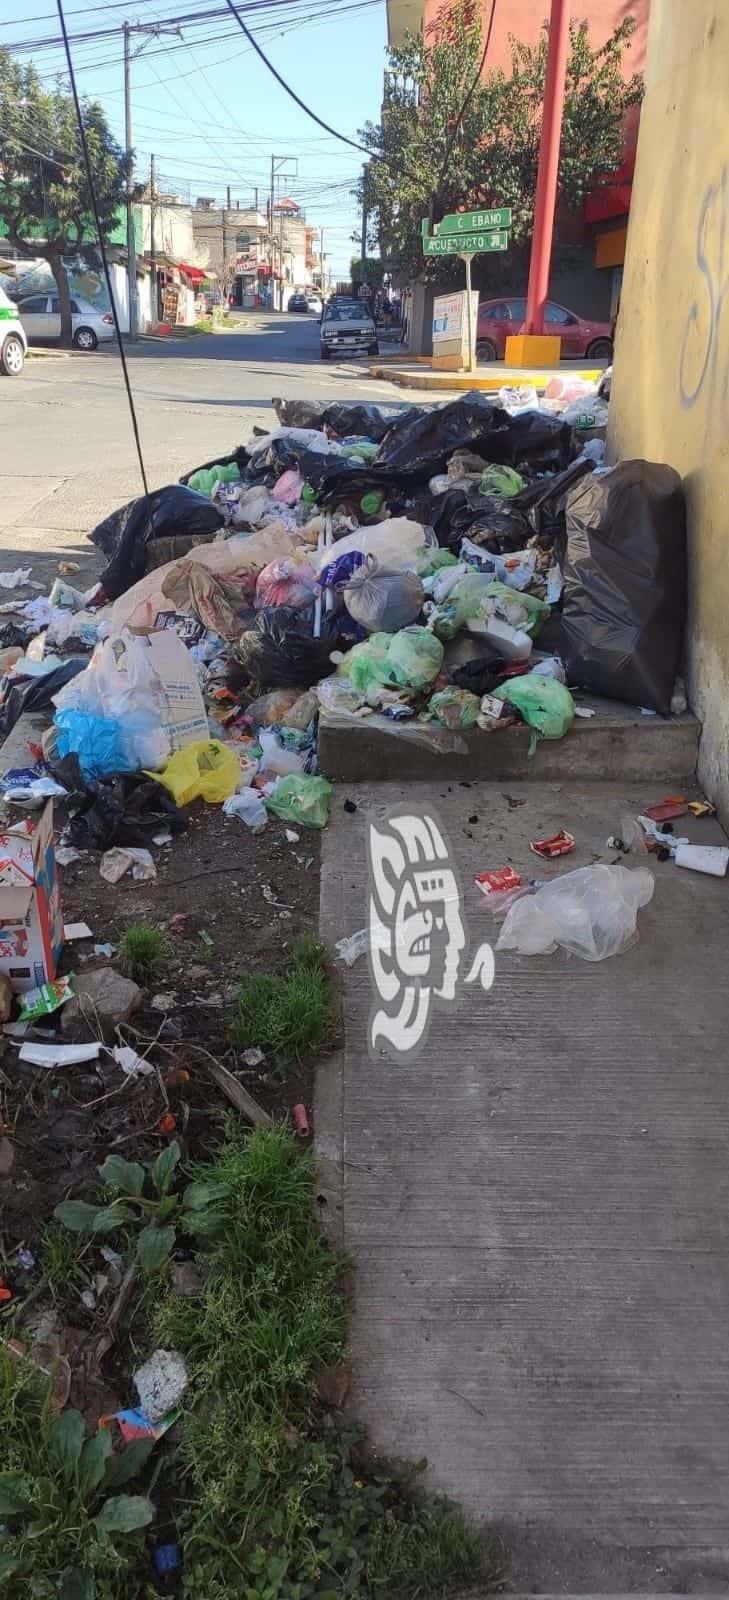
x: 497, y: 319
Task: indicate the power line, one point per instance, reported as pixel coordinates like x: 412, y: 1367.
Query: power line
x: 102, y: 243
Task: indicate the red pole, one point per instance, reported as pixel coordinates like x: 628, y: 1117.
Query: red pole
x: 544, y: 204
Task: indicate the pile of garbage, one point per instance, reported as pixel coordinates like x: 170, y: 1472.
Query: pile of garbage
x: 354, y: 562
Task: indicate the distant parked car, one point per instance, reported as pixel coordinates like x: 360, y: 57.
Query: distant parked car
x: 13, y: 342
x: 498, y: 319
x: 314, y: 305
x: 298, y: 302
x: 41, y: 317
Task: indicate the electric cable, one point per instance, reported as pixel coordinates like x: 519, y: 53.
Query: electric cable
x: 102, y: 244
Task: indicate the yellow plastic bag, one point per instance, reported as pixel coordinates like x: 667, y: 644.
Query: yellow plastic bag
x: 206, y: 770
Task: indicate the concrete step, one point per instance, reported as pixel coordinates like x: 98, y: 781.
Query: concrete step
x: 618, y: 742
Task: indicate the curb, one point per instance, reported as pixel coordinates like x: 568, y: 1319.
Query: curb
x: 489, y: 383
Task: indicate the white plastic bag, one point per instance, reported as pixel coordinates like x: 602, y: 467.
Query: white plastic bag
x: 397, y: 544
x: 248, y: 806
x: 591, y: 913
x: 277, y: 761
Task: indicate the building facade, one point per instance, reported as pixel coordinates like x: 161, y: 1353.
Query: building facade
x: 589, y: 251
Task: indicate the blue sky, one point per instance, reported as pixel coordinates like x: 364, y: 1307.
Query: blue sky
x: 209, y: 109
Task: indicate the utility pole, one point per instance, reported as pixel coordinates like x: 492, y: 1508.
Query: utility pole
x: 554, y: 88
x: 152, y: 245
x: 270, y: 223
x: 154, y: 30
x: 364, y: 225
x: 131, y: 242
x: 277, y: 165
x: 321, y: 259
x: 280, y: 258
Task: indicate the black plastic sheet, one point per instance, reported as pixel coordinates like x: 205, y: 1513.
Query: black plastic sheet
x: 35, y: 694
x: 174, y: 511
x: 419, y: 443
x: 624, y: 599
x: 121, y: 809
x: 346, y: 418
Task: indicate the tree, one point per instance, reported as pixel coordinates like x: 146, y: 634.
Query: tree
x: 435, y: 164
x: 45, y: 201
x: 373, y: 271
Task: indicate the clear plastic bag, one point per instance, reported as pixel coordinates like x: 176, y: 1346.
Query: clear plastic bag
x: 591, y: 913
x: 276, y: 760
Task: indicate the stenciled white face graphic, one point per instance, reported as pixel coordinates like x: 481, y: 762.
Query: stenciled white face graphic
x: 416, y: 930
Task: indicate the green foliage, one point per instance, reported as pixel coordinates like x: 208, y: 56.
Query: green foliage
x: 149, y: 1221
x: 143, y: 950
x: 65, y: 1532
x: 61, y: 1261
x: 495, y: 153
x: 288, y: 1016
x: 274, y: 1506
x: 46, y: 195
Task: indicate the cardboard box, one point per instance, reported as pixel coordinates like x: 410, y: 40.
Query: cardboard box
x: 31, y: 924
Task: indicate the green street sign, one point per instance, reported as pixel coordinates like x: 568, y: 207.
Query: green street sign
x: 465, y: 244
x: 475, y: 221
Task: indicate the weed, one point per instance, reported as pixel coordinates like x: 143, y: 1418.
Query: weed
x: 151, y: 1220
x: 65, y: 1529
x: 288, y: 1016
x: 272, y: 1505
x: 144, y: 950
x: 61, y: 1257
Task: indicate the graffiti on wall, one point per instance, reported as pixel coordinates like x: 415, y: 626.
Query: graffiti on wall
x: 704, y: 353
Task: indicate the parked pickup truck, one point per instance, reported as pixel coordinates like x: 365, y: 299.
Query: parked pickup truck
x: 347, y: 327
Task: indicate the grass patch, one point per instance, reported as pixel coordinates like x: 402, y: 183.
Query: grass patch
x: 143, y: 950
x: 275, y: 1504
x: 290, y: 1016
x: 61, y: 1255
x: 65, y: 1530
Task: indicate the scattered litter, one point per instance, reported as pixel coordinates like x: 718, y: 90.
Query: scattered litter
x: 163, y: 1001
x: 667, y: 810
x: 712, y: 859
x: 114, y: 864
x: 58, y: 1055
x: 253, y: 1057
x: 135, y: 1424
x: 25, y: 1258
x: 163, y: 837
x: 701, y: 808
x: 500, y: 880
x: 591, y: 912
x: 350, y: 949
x: 292, y: 836
x: 105, y: 950
x: 561, y: 844
x: 168, y: 1123
x: 300, y: 1120
x: 66, y: 854
x: 44, y: 1000
x: 132, y: 1064
x: 68, y: 569
x: 88, y: 1299
x: 16, y: 1030
x: 584, y: 711
x: 161, y: 1383
x: 167, y: 1559
x: 248, y: 807
x: 14, y: 580
x: 76, y: 930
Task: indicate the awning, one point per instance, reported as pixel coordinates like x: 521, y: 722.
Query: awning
x: 195, y: 274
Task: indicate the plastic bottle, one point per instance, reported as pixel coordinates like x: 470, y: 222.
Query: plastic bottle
x: 371, y: 503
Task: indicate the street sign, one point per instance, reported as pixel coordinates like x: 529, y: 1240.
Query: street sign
x: 465, y: 244
x: 475, y: 221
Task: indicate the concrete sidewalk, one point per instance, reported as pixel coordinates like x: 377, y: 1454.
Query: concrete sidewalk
x: 538, y: 1210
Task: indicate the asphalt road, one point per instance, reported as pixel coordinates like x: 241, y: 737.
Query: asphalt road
x: 68, y: 455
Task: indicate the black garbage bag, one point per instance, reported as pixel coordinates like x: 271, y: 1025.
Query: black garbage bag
x: 239, y: 457
x: 278, y: 651
x: 419, y: 443
x: 533, y: 439
x: 490, y: 520
x: 350, y: 418
x: 124, y: 535
x: 35, y: 694
x: 125, y: 808
x: 544, y: 499
x: 624, y: 599
x: 299, y: 413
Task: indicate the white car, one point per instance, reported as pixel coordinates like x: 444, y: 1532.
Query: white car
x: 41, y: 318
x: 313, y: 303
x: 13, y: 342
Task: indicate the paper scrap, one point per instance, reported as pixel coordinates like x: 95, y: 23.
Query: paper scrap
x: 132, y: 1065
x: 77, y: 930
x: 58, y: 1055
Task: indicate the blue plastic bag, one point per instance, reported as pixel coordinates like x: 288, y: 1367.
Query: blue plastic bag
x: 104, y: 745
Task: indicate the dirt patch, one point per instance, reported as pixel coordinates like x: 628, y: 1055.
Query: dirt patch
x: 229, y: 903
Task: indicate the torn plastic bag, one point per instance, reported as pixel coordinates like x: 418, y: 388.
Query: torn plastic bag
x: 35, y: 694
x: 278, y: 651
x: 299, y: 413
x: 419, y: 444
x: 348, y: 418
x: 624, y: 599
x: 480, y: 675
x: 546, y: 705
x: 591, y: 912
x: 125, y: 809
x: 301, y: 799
x: 383, y: 601
x: 455, y: 708
x: 283, y: 583
x: 195, y: 591
x: 174, y: 511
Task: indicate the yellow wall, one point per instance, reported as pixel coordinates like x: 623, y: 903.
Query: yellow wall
x: 671, y: 386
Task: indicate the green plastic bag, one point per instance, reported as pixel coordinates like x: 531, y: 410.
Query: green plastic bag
x: 301, y: 799
x: 501, y: 480
x: 205, y: 479
x: 536, y: 610
x: 366, y: 663
x: 544, y: 703
x: 455, y: 708
x: 414, y: 658
x: 430, y: 561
